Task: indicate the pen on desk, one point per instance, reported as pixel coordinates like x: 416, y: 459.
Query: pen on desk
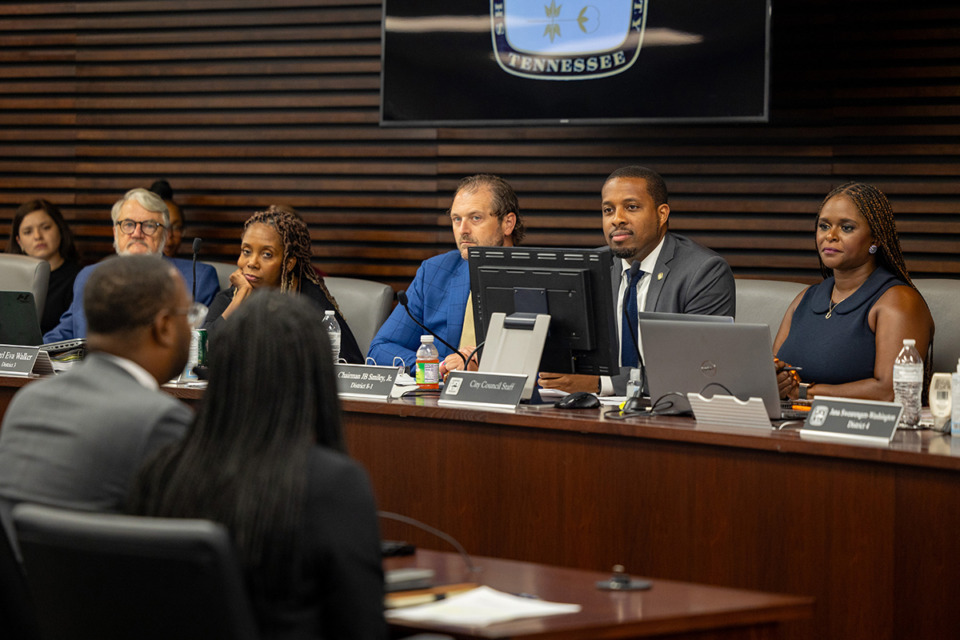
x: 792, y: 369
x: 400, y: 599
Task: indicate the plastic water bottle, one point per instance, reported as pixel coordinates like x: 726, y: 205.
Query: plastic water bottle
x: 955, y: 397
x: 428, y: 364
x: 908, y: 383
x: 332, y: 328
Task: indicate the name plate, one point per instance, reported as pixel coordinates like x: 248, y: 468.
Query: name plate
x: 19, y: 360
x: 852, y: 419
x: 483, y: 390
x: 365, y: 381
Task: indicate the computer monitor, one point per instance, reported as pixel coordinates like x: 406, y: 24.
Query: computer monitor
x: 571, y: 285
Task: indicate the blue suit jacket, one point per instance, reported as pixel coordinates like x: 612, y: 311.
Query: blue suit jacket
x: 437, y: 297
x: 73, y: 322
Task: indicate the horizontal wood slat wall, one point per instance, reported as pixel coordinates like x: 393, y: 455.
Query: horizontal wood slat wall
x: 241, y: 103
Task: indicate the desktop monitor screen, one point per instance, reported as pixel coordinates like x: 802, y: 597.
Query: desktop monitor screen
x: 571, y: 285
x: 513, y: 62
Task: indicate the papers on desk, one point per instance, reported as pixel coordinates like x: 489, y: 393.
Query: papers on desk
x: 480, y: 607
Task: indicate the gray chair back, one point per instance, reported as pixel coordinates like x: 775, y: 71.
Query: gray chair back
x: 364, y: 304
x: 943, y: 299
x: 115, y: 577
x: 224, y: 269
x: 23, y: 273
x: 765, y: 301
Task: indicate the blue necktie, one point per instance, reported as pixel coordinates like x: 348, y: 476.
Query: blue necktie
x: 628, y: 323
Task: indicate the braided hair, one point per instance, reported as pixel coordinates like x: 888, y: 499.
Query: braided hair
x: 876, y: 210
x: 295, y: 238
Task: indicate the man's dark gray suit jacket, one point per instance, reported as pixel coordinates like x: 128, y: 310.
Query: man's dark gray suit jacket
x: 78, y: 440
x: 688, y: 278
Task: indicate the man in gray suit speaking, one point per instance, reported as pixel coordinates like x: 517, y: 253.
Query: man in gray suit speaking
x: 675, y: 274
x: 77, y: 440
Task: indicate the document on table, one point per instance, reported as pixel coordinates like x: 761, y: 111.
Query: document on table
x: 480, y: 607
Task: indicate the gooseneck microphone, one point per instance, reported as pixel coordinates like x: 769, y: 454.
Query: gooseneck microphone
x: 467, y: 560
x: 402, y: 299
x: 196, y: 250
x: 633, y: 325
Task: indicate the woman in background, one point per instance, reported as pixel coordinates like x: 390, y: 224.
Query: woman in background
x: 265, y: 457
x: 39, y: 231
x: 846, y: 331
x: 175, y: 233
x: 275, y: 253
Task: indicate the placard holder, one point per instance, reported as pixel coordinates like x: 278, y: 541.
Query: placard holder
x: 22, y: 360
x: 729, y: 411
x: 852, y: 419
x: 365, y: 382
x: 479, y: 390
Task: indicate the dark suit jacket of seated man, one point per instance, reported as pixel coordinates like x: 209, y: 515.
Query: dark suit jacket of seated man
x: 137, y: 206
x: 77, y: 440
x: 680, y: 276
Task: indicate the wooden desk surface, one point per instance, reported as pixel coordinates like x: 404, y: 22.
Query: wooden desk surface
x: 677, y: 609
x: 869, y: 531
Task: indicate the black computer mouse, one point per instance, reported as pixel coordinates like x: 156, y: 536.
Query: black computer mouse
x: 578, y: 400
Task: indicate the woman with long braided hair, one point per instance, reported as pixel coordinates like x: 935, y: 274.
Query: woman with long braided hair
x: 275, y: 252
x: 846, y: 331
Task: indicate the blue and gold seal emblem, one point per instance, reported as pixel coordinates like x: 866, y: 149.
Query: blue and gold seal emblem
x: 569, y: 40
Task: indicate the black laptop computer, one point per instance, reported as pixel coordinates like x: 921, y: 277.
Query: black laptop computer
x: 19, y: 323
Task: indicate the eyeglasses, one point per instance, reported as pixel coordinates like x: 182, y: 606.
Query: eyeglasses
x: 149, y: 227
x: 196, y: 313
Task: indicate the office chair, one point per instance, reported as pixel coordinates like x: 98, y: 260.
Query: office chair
x: 23, y: 273
x: 365, y: 305
x: 943, y: 297
x: 765, y: 301
x: 115, y: 577
x: 224, y: 269
x: 17, y: 616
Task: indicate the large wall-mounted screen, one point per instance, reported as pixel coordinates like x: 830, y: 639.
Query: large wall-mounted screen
x: 502, y: 62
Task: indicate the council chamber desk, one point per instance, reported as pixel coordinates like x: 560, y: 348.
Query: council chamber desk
x: 869, y: 531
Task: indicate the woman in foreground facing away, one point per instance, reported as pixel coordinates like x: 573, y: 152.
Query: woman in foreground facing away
x: 39, y: 231
x: 846, y: 332
x: 265, y: 457
x: 275, y: 253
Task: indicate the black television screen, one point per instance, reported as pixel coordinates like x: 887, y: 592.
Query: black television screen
x: 501, y: 62
x: 573, y: 286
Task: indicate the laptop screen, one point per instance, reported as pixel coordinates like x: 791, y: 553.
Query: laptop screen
x: 19, y: 323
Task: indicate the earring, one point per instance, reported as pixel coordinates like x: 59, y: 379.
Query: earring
x: 873, y: 248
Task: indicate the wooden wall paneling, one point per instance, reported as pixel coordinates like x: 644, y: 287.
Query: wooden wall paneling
x: 240, y: 103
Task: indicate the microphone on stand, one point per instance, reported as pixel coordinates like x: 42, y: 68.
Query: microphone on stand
x: 196, y: 250
x: 402, y: 299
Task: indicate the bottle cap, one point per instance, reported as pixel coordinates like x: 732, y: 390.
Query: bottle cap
x: 426, y: 338
x: 909, y: 342
x: 329, y: 312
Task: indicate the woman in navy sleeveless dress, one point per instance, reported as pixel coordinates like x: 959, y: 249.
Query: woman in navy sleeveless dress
x: 846, y: 331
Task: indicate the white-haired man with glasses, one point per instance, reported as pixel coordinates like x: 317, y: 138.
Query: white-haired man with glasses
x: 140, y: 224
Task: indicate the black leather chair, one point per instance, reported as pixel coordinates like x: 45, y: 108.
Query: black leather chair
x: 17, y: 617
x: 116, y: 577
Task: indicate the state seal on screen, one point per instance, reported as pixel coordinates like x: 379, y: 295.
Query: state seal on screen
x: 567, y: 41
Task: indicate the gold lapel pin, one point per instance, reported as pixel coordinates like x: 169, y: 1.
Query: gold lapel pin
x: 660, y: 276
